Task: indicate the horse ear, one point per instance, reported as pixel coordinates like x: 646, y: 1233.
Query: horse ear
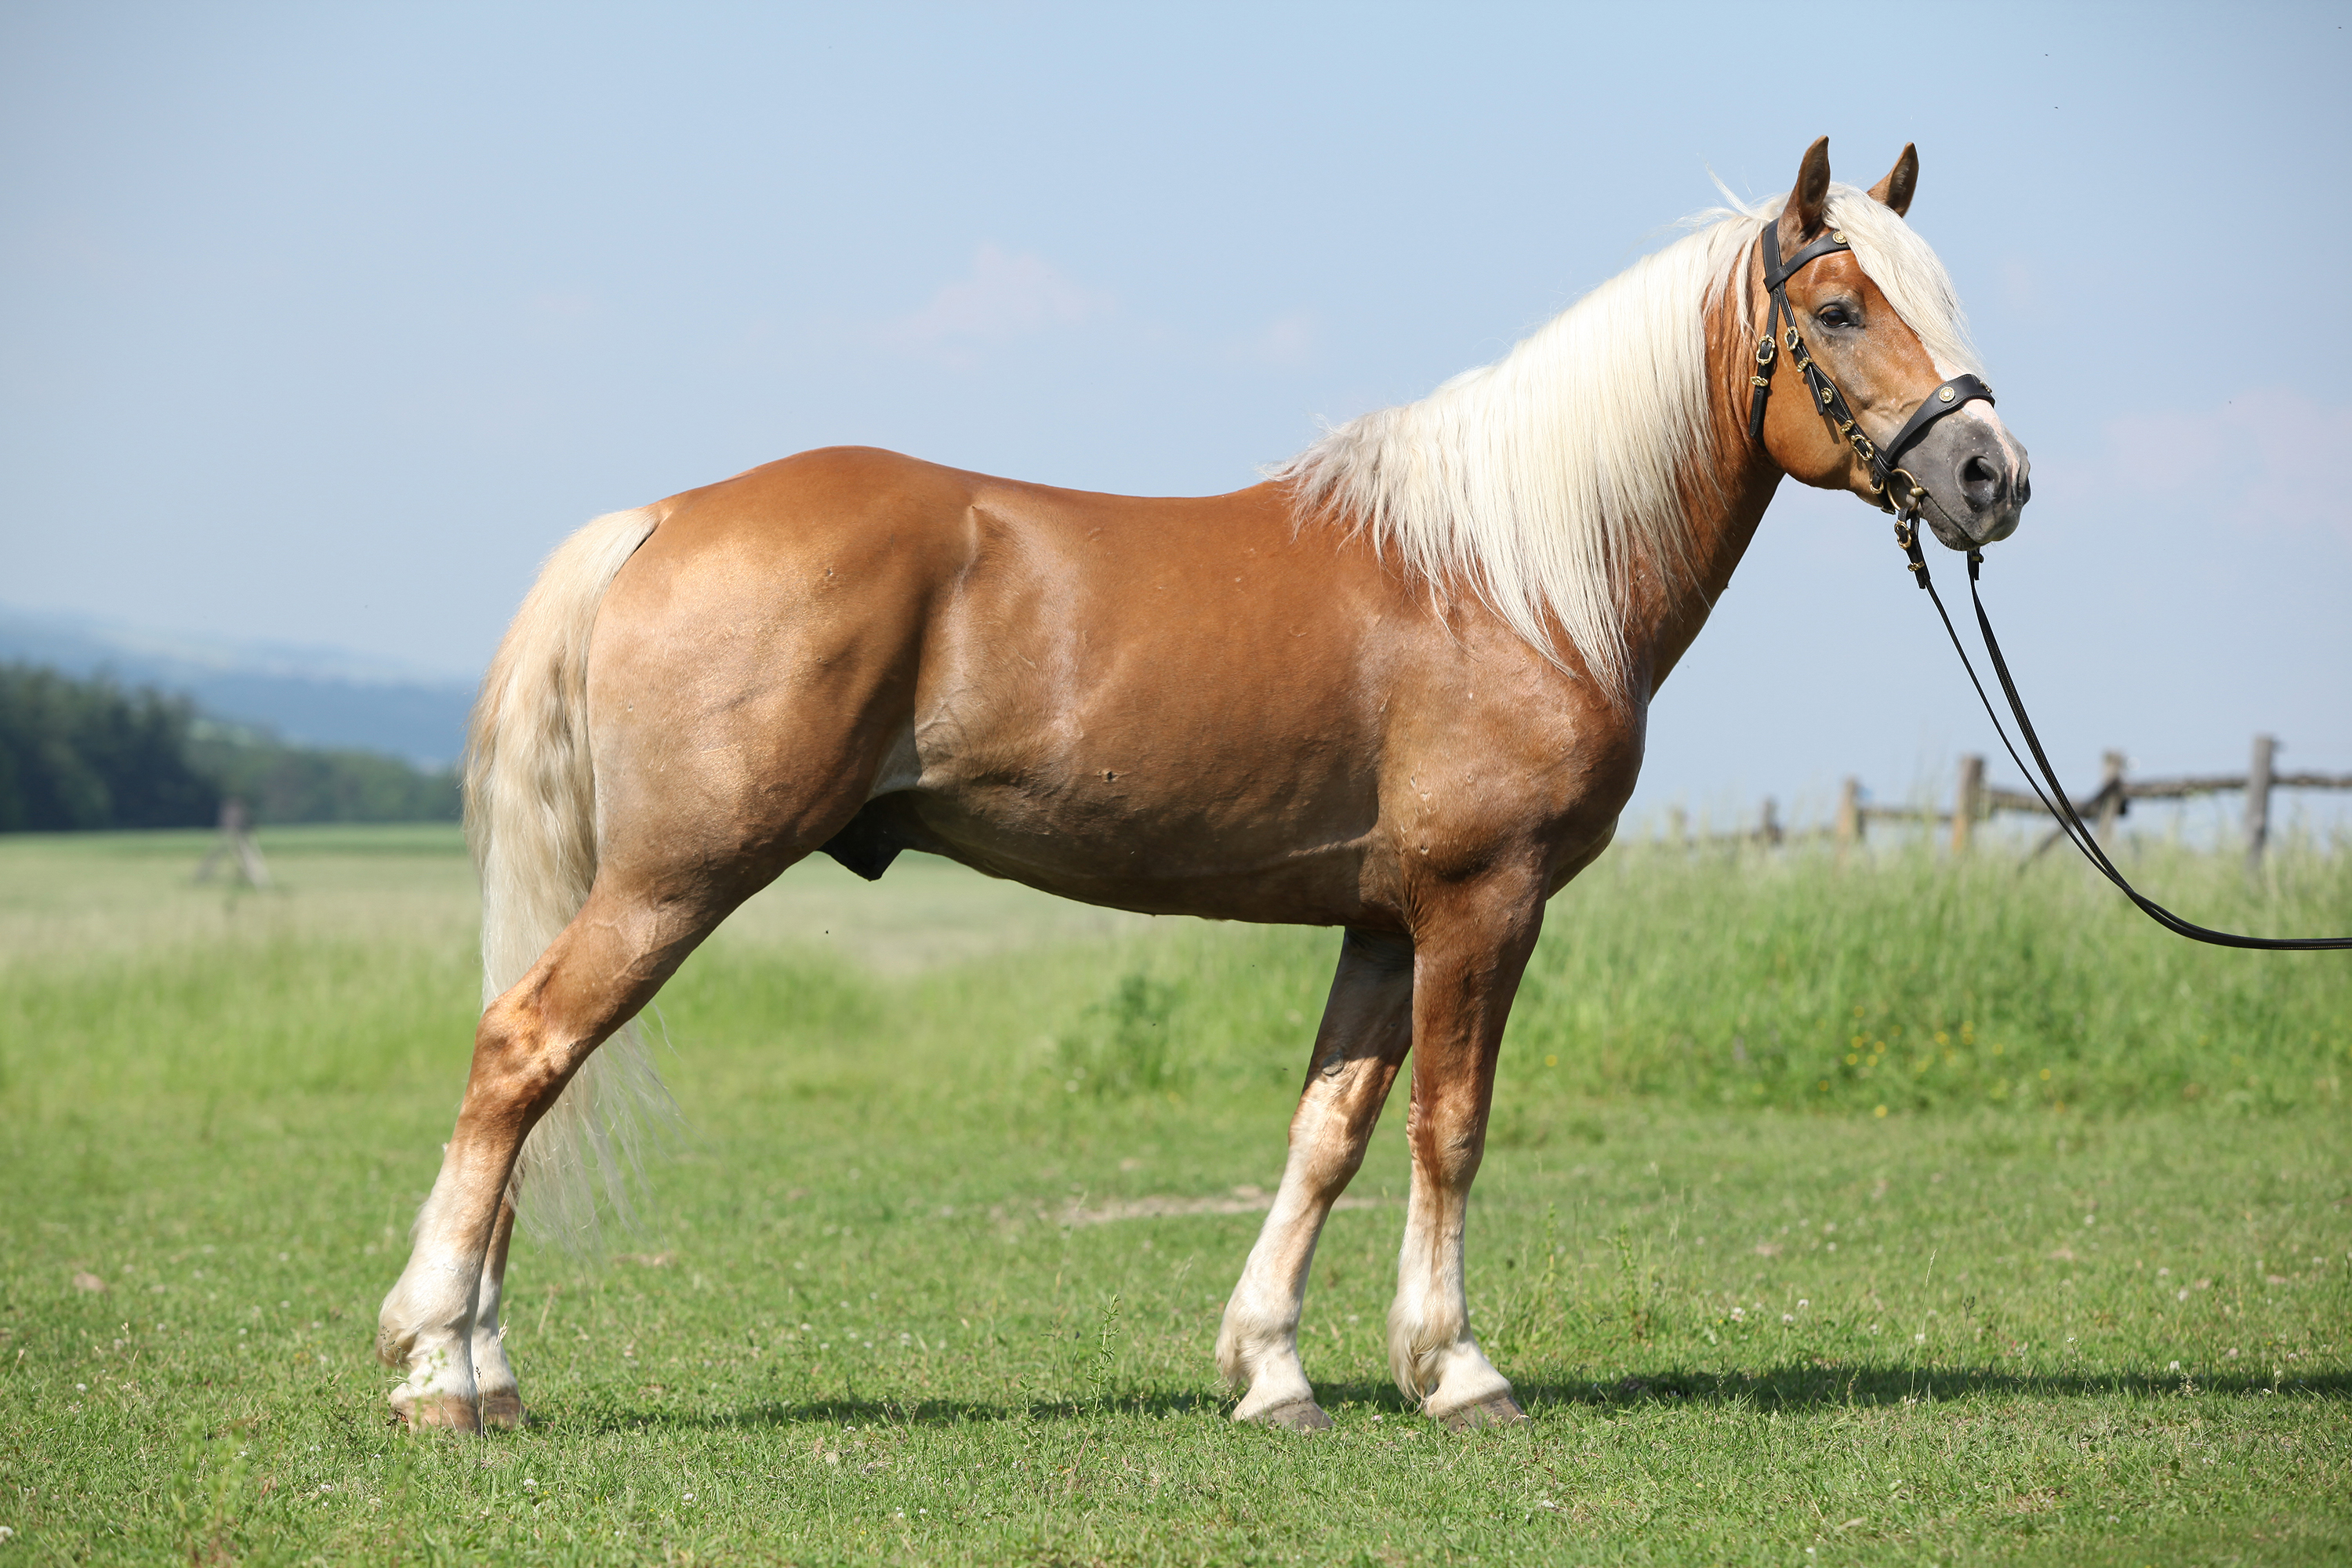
x: 1812, y: 193
x: 1894, y: 191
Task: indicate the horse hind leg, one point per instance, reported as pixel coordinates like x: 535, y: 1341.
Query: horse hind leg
x: 495, y: 1388
x: 1366, y: 1029
x: 439, y: 1321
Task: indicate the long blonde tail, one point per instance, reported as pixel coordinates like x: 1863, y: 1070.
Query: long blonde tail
x: 530, y: 820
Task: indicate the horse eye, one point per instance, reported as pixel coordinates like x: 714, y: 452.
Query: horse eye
x: 1836, y: 315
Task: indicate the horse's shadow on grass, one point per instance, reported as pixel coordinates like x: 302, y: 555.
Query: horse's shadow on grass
x: 1794, y: 1388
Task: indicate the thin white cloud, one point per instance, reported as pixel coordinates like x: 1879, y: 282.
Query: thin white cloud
x: 1285, y: 343
x: 2266, y: 460
x: 1009, y: 295
x: 565, y: 305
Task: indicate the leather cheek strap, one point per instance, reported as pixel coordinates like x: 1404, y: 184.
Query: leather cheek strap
x: 1776, y: 290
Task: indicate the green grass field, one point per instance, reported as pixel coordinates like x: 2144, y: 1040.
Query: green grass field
x: 1884, y: 1213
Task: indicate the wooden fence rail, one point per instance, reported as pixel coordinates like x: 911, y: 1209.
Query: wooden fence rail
x: 1974, y: 800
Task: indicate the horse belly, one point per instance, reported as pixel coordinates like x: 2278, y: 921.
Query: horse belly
x: 1144, y: 819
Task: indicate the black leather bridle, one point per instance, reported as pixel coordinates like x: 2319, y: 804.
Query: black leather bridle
x: 1950, y: 397
x: 1904, y: 501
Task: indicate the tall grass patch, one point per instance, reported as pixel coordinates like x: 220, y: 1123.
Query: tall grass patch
x: 882, y: 1309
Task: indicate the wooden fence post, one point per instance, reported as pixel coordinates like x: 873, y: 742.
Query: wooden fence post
x: 1767, y: 827
x: 1849, y: 816
x: 237, y: 846
x: 2111, y: 794
x: 2258, y: 800
x: 1968, y: 802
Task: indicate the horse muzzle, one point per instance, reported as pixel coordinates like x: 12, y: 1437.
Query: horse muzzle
x: 1977, y: 480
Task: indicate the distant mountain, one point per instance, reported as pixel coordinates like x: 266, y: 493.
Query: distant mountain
x: 308, y: 696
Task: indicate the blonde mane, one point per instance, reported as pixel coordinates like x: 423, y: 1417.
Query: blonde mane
x: 1537, y: 480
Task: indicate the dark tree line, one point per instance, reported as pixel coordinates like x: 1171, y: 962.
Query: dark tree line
x: 84, y: 753
x: 88, y: 754
x: 299, y: 784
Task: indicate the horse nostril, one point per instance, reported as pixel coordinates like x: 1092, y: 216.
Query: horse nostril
x: 1981, y: 482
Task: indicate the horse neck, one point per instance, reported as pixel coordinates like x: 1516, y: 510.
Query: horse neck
x: 1724, y: 497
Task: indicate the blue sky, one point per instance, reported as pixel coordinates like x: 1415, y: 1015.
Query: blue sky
x: 324, y: 323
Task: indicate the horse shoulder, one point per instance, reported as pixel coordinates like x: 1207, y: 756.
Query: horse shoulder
x: 1502, y: 764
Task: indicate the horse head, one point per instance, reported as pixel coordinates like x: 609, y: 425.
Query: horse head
x: 1852, y: 395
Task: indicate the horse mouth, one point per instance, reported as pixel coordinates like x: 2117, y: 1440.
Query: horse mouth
x: 1948, y: 532
x: 1974, y: 501
x: 1978, y: 530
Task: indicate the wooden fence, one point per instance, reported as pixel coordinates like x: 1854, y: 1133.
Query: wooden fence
x: 1975, y: 801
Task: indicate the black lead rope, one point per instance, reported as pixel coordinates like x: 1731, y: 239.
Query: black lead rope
x: 1906, y: 534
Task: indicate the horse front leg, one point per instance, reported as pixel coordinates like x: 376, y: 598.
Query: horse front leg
x: 1466, y: 970
x: 1367, y: 1027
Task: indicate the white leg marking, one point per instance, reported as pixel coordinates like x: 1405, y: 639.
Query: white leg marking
x: 1431, y: 1353
x: 427, y: 1321
x: 1257, y: 1345
x: 494, y: 1377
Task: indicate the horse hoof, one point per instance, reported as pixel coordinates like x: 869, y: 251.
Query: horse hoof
x: 440, y: 1413
x: 1502, y: 1410
x: 502, y: 1411
x: 1298, y: 1416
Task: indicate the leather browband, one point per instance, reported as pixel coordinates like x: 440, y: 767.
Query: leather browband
x: 1777, y: 277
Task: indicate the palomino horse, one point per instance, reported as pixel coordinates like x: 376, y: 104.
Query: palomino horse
x: 1399, y: 689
